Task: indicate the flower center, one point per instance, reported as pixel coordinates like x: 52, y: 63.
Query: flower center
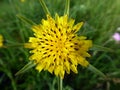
x: 60, y: 44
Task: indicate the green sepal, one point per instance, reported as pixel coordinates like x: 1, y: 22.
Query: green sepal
x: 101, y: 48
x: 26, y: 20
x: 26, y: 68
x: 96, y: 71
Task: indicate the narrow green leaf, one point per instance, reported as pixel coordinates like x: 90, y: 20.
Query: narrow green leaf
x: 101, y: 48
x: 26, y: 20
x: 25, y: 68
x: 96, y: 71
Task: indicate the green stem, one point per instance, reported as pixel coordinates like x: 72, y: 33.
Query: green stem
x: 67, y: 6
x: 59, y: 83
x: 44, y: 7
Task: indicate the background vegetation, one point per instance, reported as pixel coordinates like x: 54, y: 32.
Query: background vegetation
x: 102, y: 20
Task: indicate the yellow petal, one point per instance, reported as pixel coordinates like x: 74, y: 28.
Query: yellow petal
x: 77, y: 27
x: 74, y: 68
x: 62, y: 72
x: 40, y: 67
x: 57, y: 70
x: 1, y: 40
x: 82, y: 61
x: 51, y: 68
x: 67, y: 67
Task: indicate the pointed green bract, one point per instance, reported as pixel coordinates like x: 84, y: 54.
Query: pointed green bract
x: 26, y: 20
x: 44, y: 7
x: 101, y: 48
x: 96, y: 71
x: 25, y: 68
x: 67, y: 6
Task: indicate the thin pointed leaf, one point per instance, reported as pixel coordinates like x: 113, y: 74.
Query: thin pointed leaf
x: 101, y: 48
x: 25, y: 68
x: 96, y: 71
x: 26, y: 20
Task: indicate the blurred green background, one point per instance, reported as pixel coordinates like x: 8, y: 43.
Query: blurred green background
x: 102, y: 20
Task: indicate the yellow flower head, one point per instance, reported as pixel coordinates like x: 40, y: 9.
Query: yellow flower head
x: 56, y: 47
x: 1, y: 40
x: 22, y: 0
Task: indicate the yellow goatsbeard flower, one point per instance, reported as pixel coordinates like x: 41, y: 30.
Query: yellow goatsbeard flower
x: 22, y: 0
x: 1, y: 40
x: 56, y: 47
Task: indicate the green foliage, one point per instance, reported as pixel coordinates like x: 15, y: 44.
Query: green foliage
x: 101, y: 19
